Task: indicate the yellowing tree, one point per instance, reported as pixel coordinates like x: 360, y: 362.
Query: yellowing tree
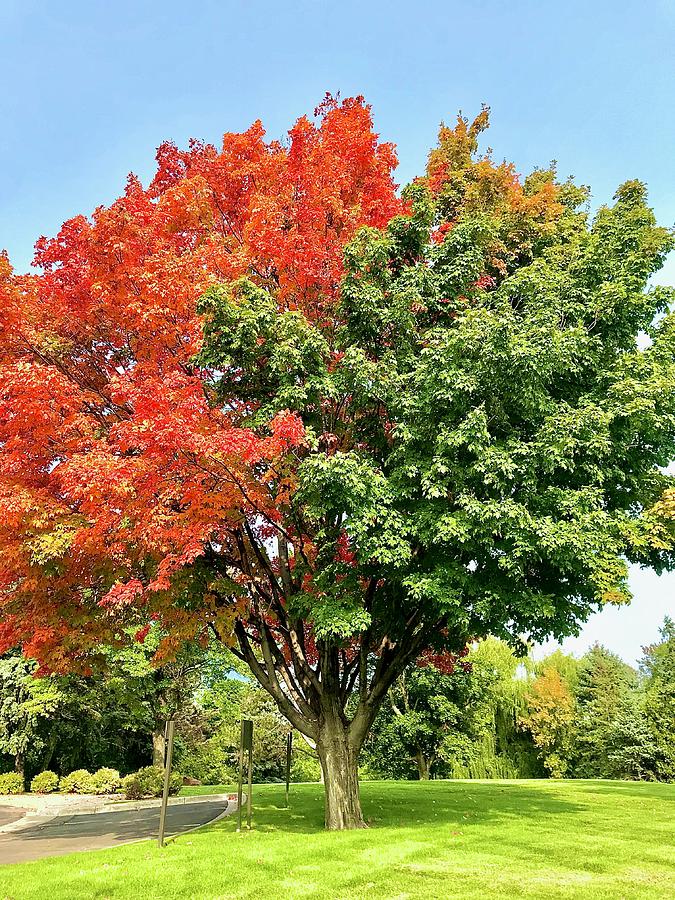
x: 550, y: 720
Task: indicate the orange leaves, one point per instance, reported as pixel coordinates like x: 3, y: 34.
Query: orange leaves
x: 113, y: 463
x: 287, y: 431
x: 466, y: 183
x: 122, y: 594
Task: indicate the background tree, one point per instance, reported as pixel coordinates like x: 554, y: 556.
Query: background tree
x: 423, y: 705
x: 550, y: 720
x: 633, y: 751
x: 26, y: 704
x: 658, y: 665
x: 604, y: 691
x: 454, y: 717
x: 226, y: 406
x: 209, y: 751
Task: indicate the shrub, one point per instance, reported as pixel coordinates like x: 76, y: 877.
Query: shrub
x: 149, y: 782
x: 45, y: 783
x: 105, y: 781
x: 78, y: 782
x: 206, y: 763
x: 11, y: 783
x: 175, y: 784
x: 305, y: 767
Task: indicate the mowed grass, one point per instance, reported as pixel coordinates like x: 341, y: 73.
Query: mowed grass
x: 442, y: 839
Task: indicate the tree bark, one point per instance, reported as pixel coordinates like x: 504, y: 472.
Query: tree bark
x: 311, y: 683
x: 158, y: 748
x: 423, y: 766
x: 339, y: 764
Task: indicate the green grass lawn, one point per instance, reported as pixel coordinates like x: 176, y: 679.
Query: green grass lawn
x: 442, y: 839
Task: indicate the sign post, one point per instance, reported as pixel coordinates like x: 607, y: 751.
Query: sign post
x: 245, y: 744
x: 168, y: 756
x: 289, y: 751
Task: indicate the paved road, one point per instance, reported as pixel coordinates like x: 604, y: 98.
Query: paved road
x: 95, y: 831
x: 10, y: 814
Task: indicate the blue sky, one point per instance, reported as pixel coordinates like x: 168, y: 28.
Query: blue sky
x: 89, y: 89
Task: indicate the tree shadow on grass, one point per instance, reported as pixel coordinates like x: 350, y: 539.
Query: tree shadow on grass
x: 644, y: 790
x: 410, y: 804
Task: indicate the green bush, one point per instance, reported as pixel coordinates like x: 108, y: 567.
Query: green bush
x: 206, y: 763
x: 149, y: 782
x: 305, y: 767
x: 105, y: 781
x: 45, y: 783
x: 11, y: 783
x: 78, y: 782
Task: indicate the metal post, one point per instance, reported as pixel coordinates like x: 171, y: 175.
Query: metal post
x: 249, y: 798
x: 241, y: 768
x: 168, y: 756
x: 245, y: 743
x: 289, y: 751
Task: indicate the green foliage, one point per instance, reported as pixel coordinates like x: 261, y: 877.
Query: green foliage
x: 69, y: 722
x: 468, y: 758
x: 658, y: 666
x: 633, y: 749
x: 105, y: 781
x: 209, y: 763
x: 27, y: 705
x: 550, y: 718
x: 604, y: 690
x: 209, y: 752
x: 45, y: 783
x: 457, y: 725
x: 281, y: 355
x: 77, y: 782
x: 482, y: 425
x: 305, y: 766
x: 149, y: 782
x: 11, y: 783
x: 514, y: 408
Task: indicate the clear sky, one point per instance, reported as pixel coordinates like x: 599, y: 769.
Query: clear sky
x: 89, y: 89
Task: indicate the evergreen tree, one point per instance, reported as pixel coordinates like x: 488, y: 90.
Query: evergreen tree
x: 658, y: 665
x: 633, y: 750
x: 603, y: 693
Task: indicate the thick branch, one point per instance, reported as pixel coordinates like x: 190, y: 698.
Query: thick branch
x: 266, y: 677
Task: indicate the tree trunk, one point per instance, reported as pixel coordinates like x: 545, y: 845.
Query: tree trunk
x: 158, y: 748
x: 423, y: 766
x: 313, y: 694
x: 339, y: 764
x: 49, y: 751
x: 20, y: 764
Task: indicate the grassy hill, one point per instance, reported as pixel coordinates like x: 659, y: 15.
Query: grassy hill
x: 533, y: 839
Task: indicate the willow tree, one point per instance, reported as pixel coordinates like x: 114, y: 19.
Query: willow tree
x: 265, y: 400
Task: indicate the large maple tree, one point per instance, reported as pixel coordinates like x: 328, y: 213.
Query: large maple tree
x: 267, y: 400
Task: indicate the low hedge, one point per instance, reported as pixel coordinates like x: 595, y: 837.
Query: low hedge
x: 82, y: 781
x: 11, y: 783
x: 78, y: 782
x: 149, y: 782
x: 45, y: 783
x: 105, y: 781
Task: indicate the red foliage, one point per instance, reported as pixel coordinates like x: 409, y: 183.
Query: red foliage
x: 445, y: 661
x: 115, y: 472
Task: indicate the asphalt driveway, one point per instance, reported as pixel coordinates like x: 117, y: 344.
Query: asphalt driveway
x: 96, y: 831
x: 10, y: 814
